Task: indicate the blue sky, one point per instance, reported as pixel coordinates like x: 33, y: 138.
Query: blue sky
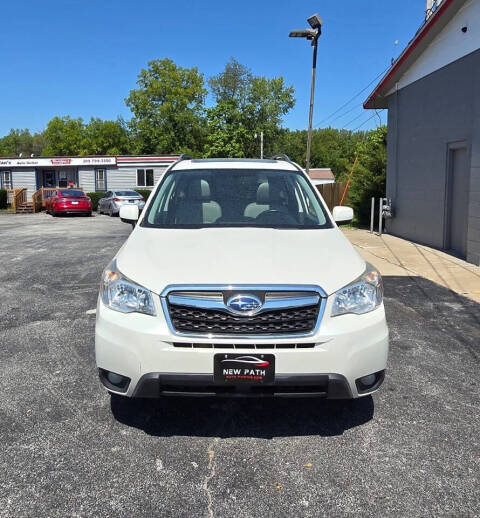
x: 82, y: 57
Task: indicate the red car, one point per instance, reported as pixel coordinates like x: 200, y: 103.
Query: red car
x: 68, y: 201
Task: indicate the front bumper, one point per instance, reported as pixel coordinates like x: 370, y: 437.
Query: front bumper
x: 141, y: 348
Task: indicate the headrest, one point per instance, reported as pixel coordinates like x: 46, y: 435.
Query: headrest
x: 270, y: 192
x: 198, y: 189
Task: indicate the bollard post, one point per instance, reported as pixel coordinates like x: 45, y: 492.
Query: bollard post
x: 380, y: 208
x: 372, y: 215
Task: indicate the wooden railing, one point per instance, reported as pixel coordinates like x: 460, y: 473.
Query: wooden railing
x: 39, y: 197
x: 19, y: 196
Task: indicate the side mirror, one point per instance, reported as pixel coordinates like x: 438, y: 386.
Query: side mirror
x: 342, y: 215
x: 129, y: 214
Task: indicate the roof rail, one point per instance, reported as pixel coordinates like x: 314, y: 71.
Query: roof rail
x: 281, y: 156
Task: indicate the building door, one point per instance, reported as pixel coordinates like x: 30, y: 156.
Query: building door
x: 49, y: 179
x: 458, y: 188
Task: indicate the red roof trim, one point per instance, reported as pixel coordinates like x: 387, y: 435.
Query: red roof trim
x: 147, y: 159
x: 410, y: 48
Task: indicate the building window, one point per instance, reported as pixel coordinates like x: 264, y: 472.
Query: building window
x: 144, y: 177
x: 6, y: 180
x: 100, y: 180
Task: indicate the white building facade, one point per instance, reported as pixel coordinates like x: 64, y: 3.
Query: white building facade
x: 91, y: 173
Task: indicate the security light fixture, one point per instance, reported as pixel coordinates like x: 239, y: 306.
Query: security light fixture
x: 315, y: 22
x: 306, y: 33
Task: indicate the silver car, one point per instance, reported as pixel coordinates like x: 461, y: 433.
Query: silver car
x: 113, y: 200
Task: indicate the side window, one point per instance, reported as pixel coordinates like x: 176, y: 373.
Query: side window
x: 6, y: 180
x: 100, y: 179
x: 149, y: 178
x: 141, y: 177
x: 145, y: 178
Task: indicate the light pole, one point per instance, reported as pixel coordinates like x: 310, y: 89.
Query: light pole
x: 261, y: 144
x: 311, y: 35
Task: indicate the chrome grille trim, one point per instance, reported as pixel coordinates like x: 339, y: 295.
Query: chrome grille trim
x: 304, y: 295
x: 218, y: 303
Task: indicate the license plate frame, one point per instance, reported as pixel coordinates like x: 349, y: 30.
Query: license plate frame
x: 243, y: 368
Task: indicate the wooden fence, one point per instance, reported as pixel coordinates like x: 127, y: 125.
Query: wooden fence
x: 332, y: 193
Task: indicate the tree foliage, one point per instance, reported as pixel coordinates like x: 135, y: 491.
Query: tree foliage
x: 67, y: 136
x: 167, y: 108
x: 232, y: 84
x: 20, y: 141
x: 226, y: 132
x: 63, y: 136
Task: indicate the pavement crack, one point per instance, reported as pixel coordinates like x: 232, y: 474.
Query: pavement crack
x: 212, y: 467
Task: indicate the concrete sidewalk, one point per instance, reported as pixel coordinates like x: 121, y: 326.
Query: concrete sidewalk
x: 399, y: 257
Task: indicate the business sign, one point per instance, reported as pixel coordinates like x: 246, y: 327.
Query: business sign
x: 59, y: 161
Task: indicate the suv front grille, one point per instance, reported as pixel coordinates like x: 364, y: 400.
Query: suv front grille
x: 213, y: 311
x: 285, y: 321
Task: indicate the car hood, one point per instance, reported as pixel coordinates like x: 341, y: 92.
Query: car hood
x: 156, y: 258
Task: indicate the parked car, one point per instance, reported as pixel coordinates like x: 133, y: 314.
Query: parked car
x: 236, y: 280
x: 68, y: 201
x: 113, y: 200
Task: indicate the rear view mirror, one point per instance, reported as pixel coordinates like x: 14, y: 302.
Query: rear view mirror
x: 129, y: 214
x: 342, y: 215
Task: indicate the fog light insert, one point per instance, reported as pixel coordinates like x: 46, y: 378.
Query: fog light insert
x: 370, y: 382
x: 114, y: 381
x: 366, y: 381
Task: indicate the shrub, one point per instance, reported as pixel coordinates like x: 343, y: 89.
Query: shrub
x: 3, y: 198
x: 95, y: 196
x: 144, y: 192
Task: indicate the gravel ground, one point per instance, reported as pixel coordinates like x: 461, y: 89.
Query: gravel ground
x: 69, y: 450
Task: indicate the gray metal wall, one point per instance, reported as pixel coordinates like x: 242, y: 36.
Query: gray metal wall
x: 424, y: 118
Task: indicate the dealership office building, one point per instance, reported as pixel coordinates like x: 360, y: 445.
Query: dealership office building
x: 91, y: 173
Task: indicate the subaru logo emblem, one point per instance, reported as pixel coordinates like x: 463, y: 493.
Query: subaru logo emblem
x: 244, y: 304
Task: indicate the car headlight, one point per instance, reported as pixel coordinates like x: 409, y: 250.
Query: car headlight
x: 361, y: 296
x: 123, y: 295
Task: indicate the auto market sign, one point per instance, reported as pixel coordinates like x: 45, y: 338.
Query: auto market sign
x: 58, y: 161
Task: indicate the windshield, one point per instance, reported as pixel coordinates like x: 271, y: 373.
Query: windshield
x: 71, y: 192
x: 235, y: 198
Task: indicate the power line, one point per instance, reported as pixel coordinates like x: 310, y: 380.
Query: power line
x: 365, y: 121
x: 346, y: 113
x: 353, y: 120
x: 354, y: 97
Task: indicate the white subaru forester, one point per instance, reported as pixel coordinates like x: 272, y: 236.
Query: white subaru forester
x: 236, y: 281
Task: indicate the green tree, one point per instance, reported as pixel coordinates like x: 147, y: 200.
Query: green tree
x: 260, y: 102
x: 368, y: 179
x: 232, y: 83
x: 16, y: 142
x: 64, y: 136
x: 167, y: 108
x: 226, y: 133
x: 106, y: 137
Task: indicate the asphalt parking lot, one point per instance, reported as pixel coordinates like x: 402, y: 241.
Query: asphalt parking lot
x: 67, y: 450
